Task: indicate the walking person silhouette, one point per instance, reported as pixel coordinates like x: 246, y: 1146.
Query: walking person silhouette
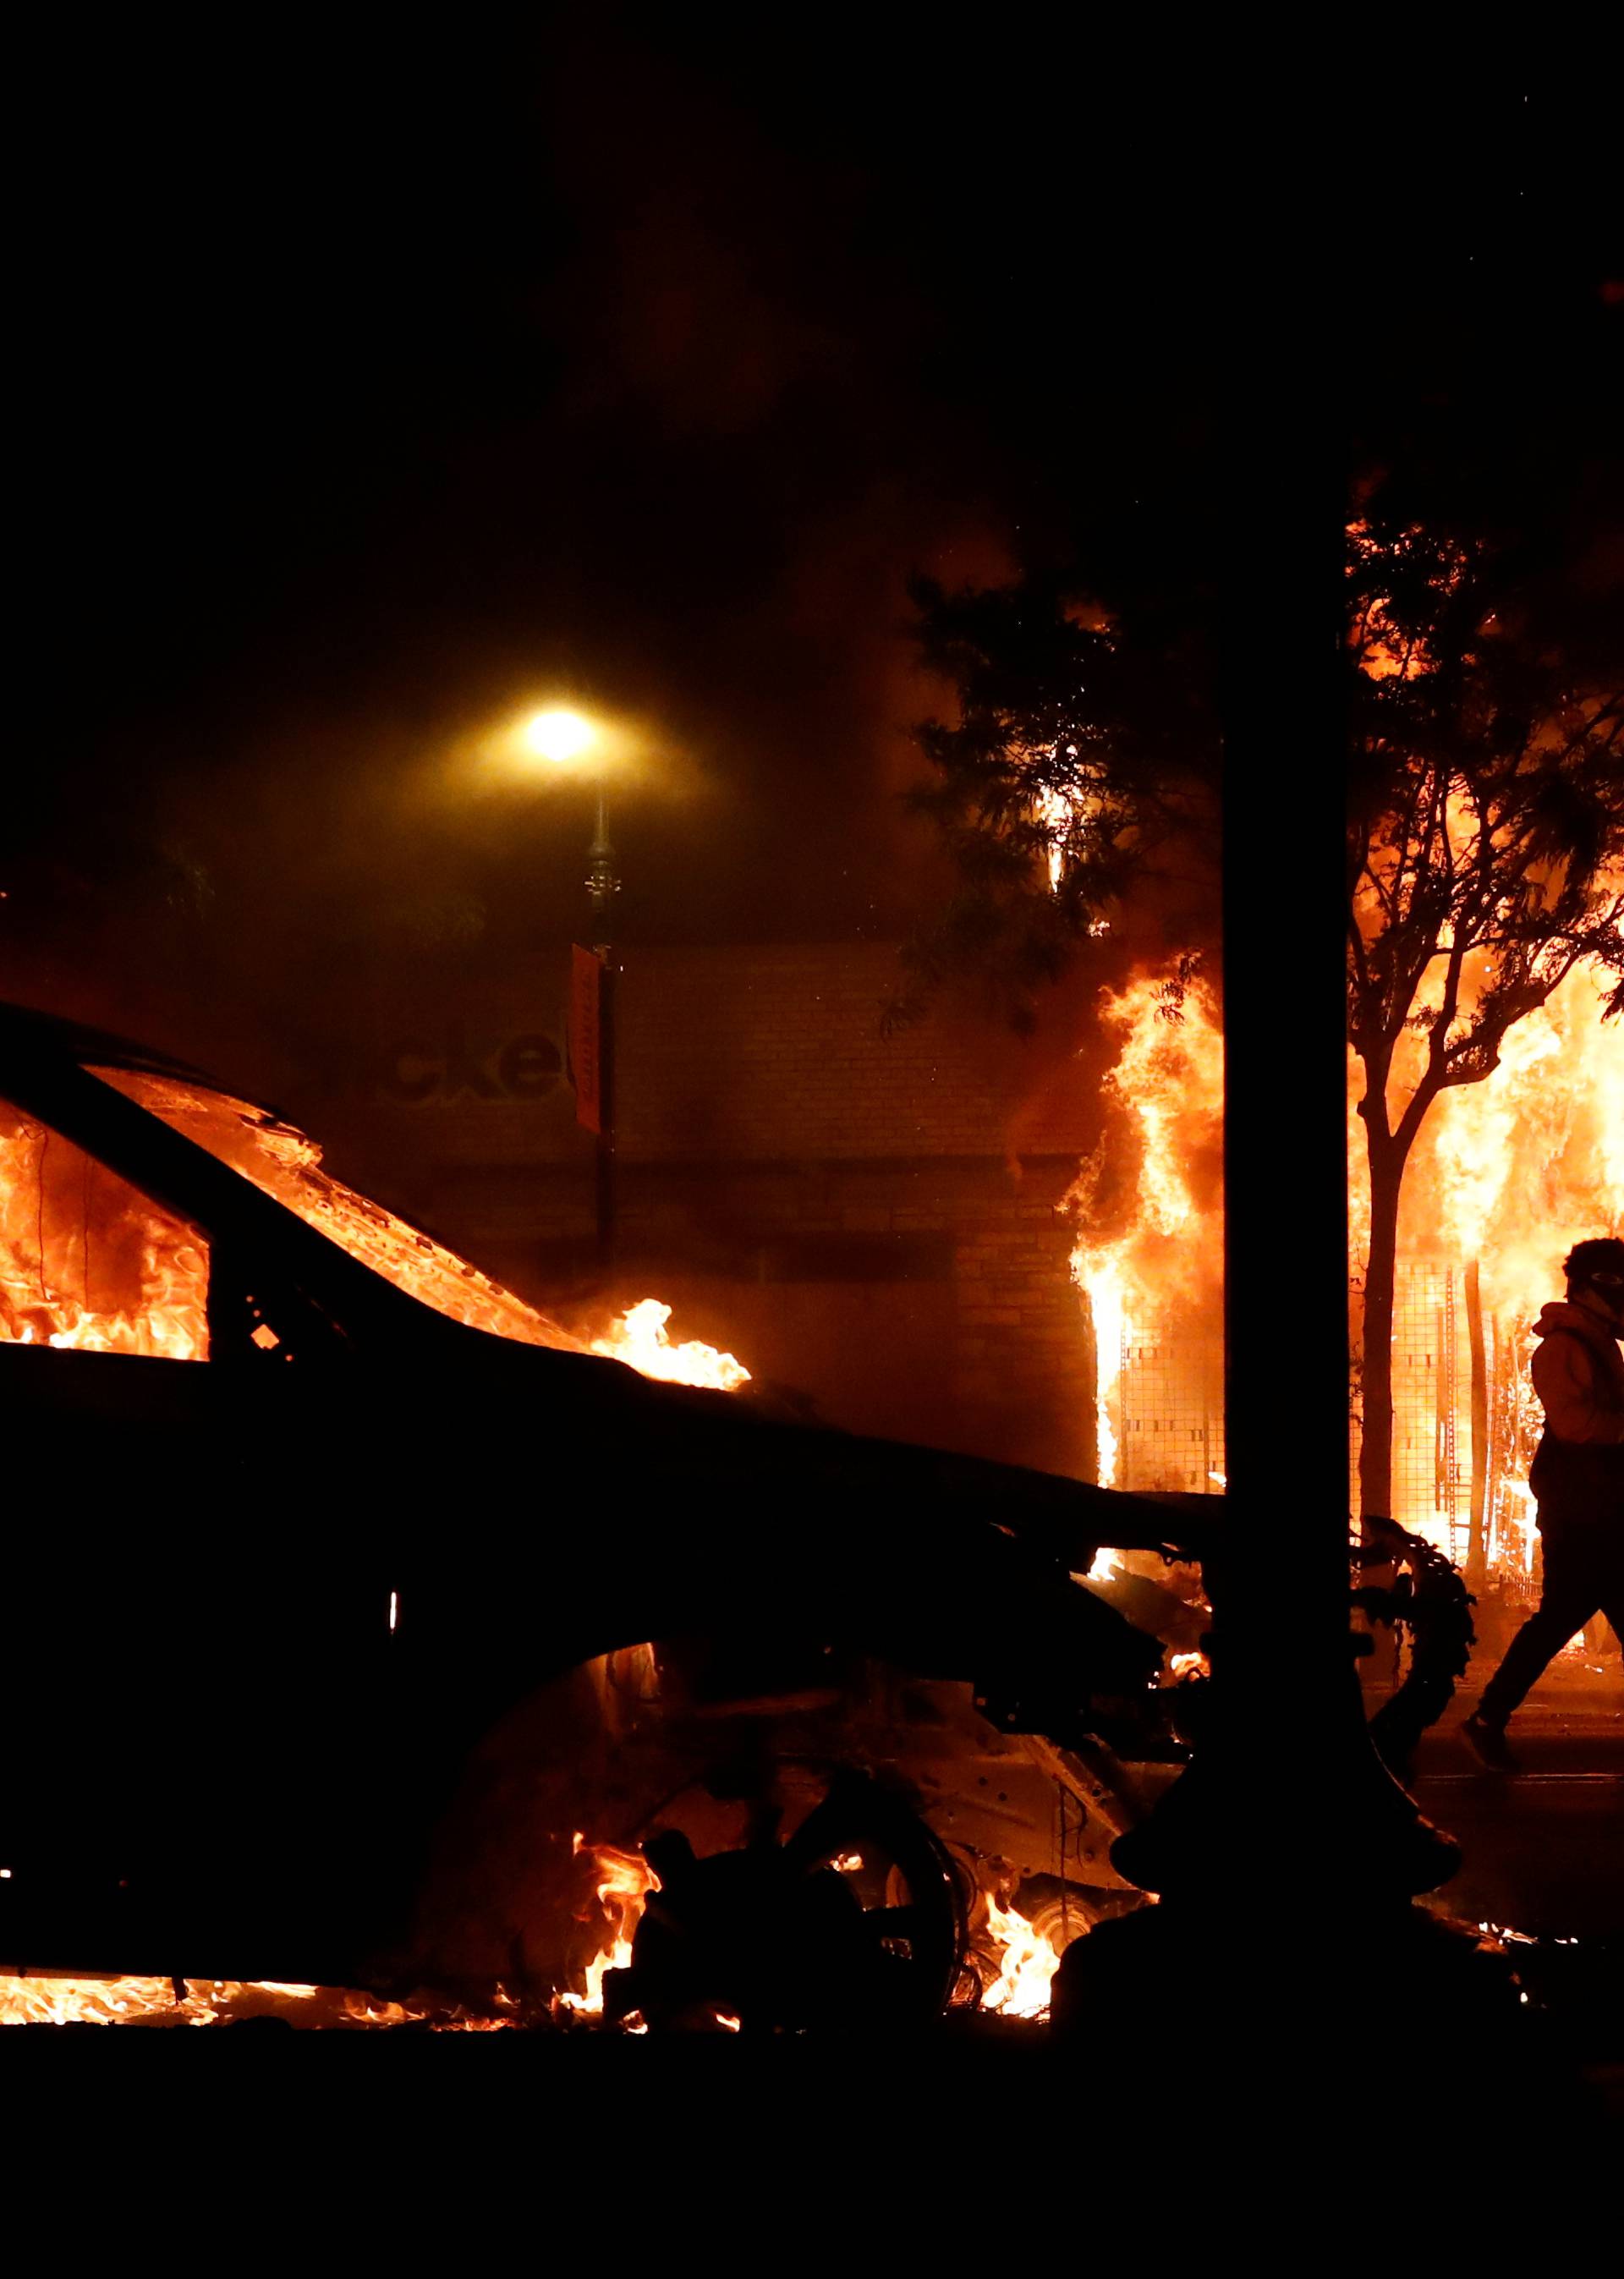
x: 1578, y: 1483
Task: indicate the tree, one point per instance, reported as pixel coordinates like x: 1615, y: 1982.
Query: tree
x: 1485, y: 854
x: 1083, y: 760
x: 1485, y: 695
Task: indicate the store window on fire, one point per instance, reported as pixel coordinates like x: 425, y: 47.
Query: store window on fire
x: 87, y: 1262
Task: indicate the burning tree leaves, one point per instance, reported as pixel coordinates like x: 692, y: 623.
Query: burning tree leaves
x: 1074, y: 758
x: 1485, y: 853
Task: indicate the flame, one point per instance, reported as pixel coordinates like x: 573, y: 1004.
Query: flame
x: 1101, y: 1279
x: 1063, y: 815
x: 87, y: 1263
x: 1515, y: 1170
x: 639, y: 1336
x: 1381, y: 648
x: 1162, y: 1239
x: 1058, y: 812
x: 286, y: 1164
x: 625, y: 1881
x: 1508, y: 1175
x: 1029, y: 1962
x: 1518, y: 1512
x: 94, y: 2002
x: 1028, y: 1957
x: 131, y: 2001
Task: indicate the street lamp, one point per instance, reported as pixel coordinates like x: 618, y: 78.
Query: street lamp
x: 560, y: 736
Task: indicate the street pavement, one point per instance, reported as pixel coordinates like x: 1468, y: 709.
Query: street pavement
x: 1544, y: 1846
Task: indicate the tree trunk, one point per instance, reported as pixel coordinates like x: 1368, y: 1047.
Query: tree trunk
x: 1284, y: 1811
x: 1375, y: 1452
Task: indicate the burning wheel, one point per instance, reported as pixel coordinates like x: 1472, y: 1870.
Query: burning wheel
x: 855, y: 1920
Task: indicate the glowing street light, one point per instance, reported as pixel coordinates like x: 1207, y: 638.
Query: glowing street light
x: 557, y: 734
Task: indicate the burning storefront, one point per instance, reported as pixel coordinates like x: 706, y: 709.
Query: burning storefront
x: 1508, y: 1174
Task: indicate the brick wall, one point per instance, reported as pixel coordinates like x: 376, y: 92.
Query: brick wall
x: 870, y: 1219
x: 778, y: 1053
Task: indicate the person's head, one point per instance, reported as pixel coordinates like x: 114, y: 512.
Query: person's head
x: 1596, y: 1276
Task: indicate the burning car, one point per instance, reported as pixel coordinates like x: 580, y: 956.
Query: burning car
x: 366, y: 1627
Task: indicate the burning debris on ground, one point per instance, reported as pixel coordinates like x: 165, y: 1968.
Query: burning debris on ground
x: 59, y: 1999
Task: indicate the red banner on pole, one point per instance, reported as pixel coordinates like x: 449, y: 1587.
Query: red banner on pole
x: 587, y: 1036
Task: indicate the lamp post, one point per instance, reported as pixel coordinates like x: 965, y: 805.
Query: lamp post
x: 602, y: 886
x: 560, y: 736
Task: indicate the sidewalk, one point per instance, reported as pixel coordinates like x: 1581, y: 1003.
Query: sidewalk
x: 1543, y: 1847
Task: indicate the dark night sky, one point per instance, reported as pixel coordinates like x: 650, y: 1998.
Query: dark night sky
x: 369, y: 393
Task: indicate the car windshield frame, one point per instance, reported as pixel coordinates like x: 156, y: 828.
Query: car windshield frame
x: 278, y: 1160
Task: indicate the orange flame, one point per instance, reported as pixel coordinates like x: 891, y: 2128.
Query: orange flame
x: 639, y: 1336
x: 1515, y: 1170
x: 87, y: 1263
x: 625, y: 1882
x: 1162, y: 1241
x: 1029, y: 1962
x: 52, y: 2000
x: 285, y: 1163
x: 1509, y: 1174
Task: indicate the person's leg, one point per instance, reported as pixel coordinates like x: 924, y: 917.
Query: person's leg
x: 1611, y: 1596
x: 1572, y: 1593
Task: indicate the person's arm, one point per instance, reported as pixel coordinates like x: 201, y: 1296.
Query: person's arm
x: 1568, y: 1384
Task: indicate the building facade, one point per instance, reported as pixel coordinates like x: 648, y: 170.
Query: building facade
x: 871, y: 1222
